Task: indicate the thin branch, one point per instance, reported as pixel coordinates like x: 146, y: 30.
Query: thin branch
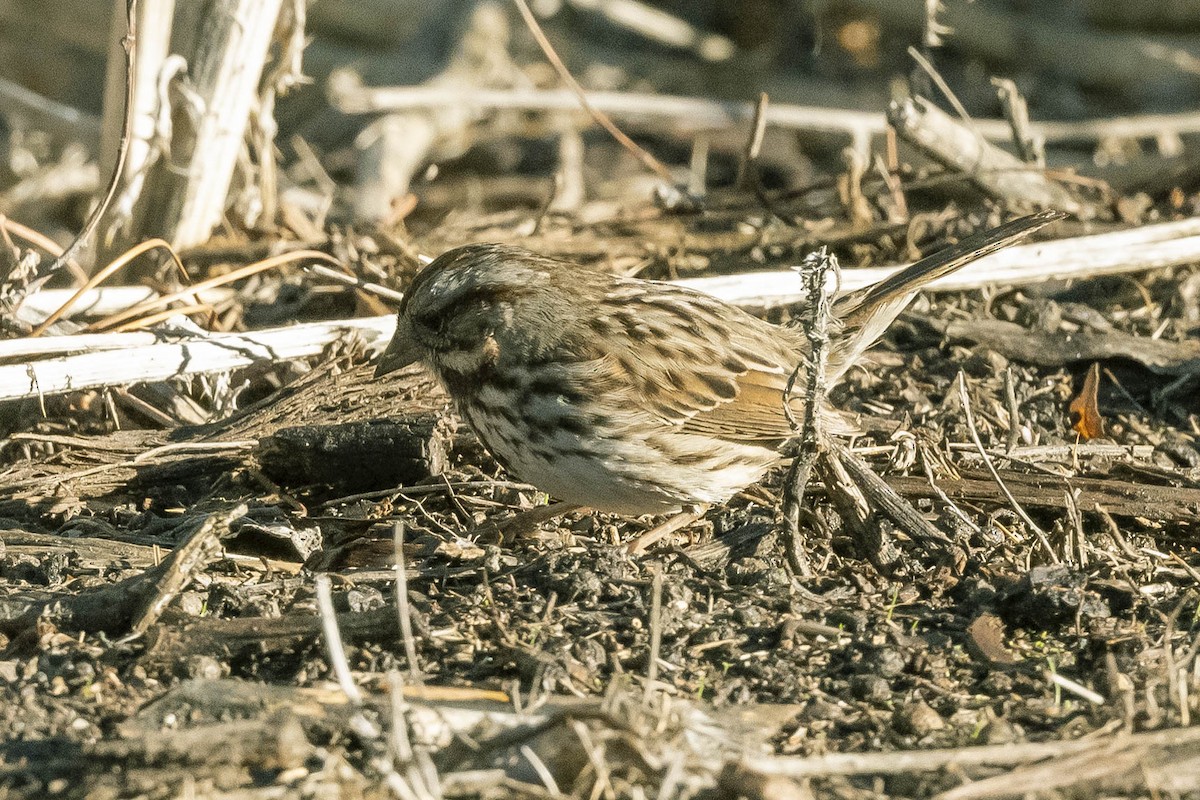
x: 402, y: 608
x: 333, y: 640
x: 188, y: 356
x: 691, y: 113
x: 656, y: 591
x: 1137, y: 249
x: 219, y: 280
x: 602, y: 119
x: 88, y: 232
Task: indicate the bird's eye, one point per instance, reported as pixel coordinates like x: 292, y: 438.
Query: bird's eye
x: 434, y: 323
x: 464, y: 312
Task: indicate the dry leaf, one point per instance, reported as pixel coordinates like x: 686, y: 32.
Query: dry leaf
x: 987, y: 634
x: 1084, y: 411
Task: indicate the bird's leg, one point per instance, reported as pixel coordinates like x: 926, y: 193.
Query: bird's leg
x: 687, y: 516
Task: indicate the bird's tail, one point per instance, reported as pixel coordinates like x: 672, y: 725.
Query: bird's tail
x: 867, y: 313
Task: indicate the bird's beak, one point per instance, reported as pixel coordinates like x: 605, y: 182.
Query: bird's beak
x: 400, y: 352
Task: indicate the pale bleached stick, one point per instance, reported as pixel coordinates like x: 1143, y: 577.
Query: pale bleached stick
x: 216, y: 353
x: 692, y: 113
x: 1149, y: 247
x: 27, y: 349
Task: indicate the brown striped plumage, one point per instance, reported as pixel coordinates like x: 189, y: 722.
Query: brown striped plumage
x: 626, y: 395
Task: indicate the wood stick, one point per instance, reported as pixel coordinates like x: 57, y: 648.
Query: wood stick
x: 216, y: 353
x: 995, y: 171
x: 699, y: 113
x: 1121, y: 498
x: 1162, y: 356
x: 1136, y: 249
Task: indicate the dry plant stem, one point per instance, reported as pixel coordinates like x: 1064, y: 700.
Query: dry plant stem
x: 660, y: 26
x: 86, y: 236
x: 927, y: 67
x: 116, y: 264
x: 357, y: 283
x: 38, y: 239
x: 1074, y: 687
x: 64, y: 122
x: 698, y: 113
x: 105, y: 554
x: 524, y: 522
x: 656, y: 591
x: 689, y: 114
x: 226, y: 63
x: 941, y: 495
x: 131, y: 605
x: 333, y: 640
x: 749, y: 169
x: 758, y: 130
x: 408, y: 783
x: 650, y: 162
x: 35, y: 238
x: 1162, y: 356
x: 148, y: 456
x: 1041, y: 490
x: 1014, y: 411
x: 882, y: 496
x: 685, y: 113
x: 543, y: 773
x: 27, y: 349
x: 991, y: 756
x: 402, y: 748
x: 96, y: 302
x: 219, y: 280
x: 136, y: 125
x: 402, y: 609
x: 1030, y: 145
x: 677, y: 522
x: 815, y: 277
x: 1001, y: 175
x: 847, y: 497
x: 151, y: 319
x: 965, y: 399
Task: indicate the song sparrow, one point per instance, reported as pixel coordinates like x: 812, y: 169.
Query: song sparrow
x: 627, y: 395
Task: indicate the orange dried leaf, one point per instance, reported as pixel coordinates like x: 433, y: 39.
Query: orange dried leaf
x: 1084, y: 408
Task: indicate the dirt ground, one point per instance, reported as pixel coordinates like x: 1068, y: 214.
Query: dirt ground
x: 187, y: 564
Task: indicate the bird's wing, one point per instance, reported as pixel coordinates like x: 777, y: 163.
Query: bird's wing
x: 711, y: 369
